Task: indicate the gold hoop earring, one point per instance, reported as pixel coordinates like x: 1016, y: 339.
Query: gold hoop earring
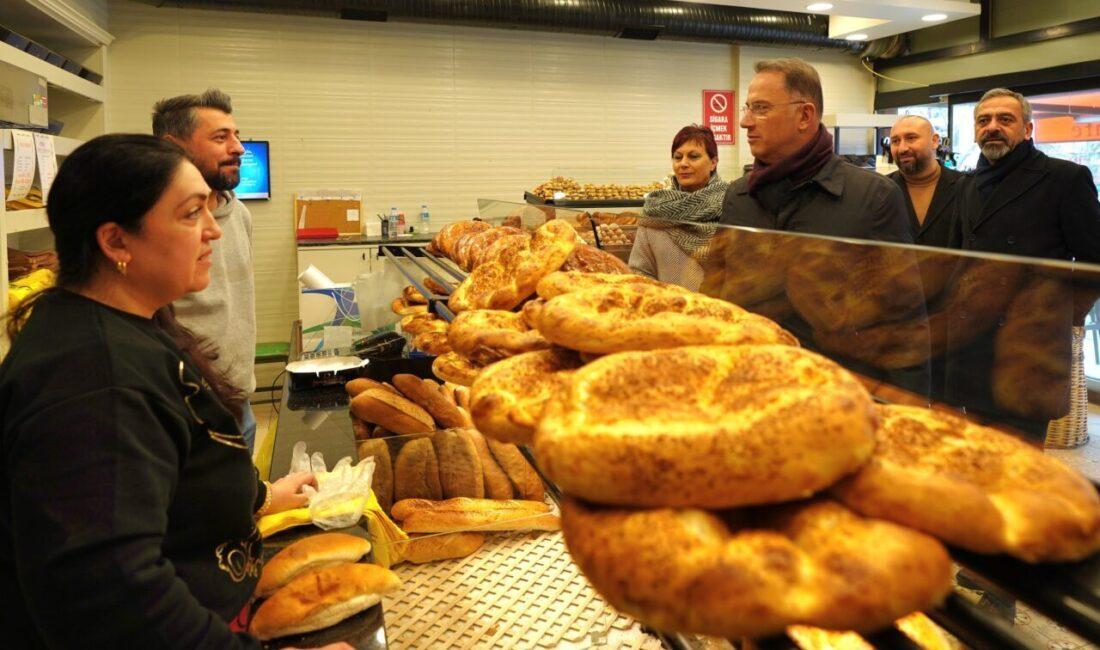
x: 121, y: 266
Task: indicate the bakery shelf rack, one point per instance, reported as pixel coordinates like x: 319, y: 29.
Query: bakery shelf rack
x: 439, y: 269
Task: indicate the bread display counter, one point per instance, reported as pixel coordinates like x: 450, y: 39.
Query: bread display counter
x: 725, y: 462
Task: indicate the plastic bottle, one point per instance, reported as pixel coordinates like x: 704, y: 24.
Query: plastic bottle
x: 393, y: 221
x: 401, y: 228
x: 425, y: 219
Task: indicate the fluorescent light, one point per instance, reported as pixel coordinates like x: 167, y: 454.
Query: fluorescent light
x: 856, y: 37
x: 819, y: 6
x: 933, y: 18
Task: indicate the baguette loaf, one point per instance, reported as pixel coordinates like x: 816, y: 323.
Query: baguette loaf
x: 313, y: 552
x: 391, y: 411
x: 361, y: 429
x: 460, y: 473
x: 519, y: 471
x: 430, y: 548
x: 497, y: 484
x: 360, y: 384
x: 382, y: 481
x: 416, y: 472
x: 427, y: 396
x: 454, y: 515
x: 322, y: 598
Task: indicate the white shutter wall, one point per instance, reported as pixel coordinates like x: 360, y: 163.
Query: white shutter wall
x: 413, y: 114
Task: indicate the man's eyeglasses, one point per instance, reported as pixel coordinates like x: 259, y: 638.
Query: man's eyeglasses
x: 761, y: 109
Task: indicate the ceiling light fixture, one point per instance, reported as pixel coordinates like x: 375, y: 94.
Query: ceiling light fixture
x: 819, y: 6
x: 856, y: 37
x: 933, y: 18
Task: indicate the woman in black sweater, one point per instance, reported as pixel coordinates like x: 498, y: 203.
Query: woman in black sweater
x: 127, y: 495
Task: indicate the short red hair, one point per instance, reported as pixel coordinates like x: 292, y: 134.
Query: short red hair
x: 694, y: 132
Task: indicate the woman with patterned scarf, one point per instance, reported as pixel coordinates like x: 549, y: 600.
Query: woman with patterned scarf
x: 678, y: 224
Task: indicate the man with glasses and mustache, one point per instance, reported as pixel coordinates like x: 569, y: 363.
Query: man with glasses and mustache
x: 225, y: 312
x: 797, y: 182
x: 930, y: 188
x: 1023, y: 202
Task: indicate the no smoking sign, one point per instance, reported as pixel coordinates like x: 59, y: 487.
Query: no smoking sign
x: 718, y: 114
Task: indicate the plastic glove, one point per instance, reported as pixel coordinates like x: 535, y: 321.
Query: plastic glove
x: 341, y: 494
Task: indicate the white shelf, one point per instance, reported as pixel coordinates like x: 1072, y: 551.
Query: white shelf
x: 61, y: 146
x: 54, y: 75
x: 24, y: 220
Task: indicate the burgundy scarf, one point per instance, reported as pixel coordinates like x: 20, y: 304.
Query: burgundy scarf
x: 799, y: 166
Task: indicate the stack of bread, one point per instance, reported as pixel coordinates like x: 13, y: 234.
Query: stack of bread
x: 721, y: 480
x: 429, y: 458
x: 315, y: 583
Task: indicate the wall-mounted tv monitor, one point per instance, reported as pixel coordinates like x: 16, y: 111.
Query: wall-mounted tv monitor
x: 255, y: 171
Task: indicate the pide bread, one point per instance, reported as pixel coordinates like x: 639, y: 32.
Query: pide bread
x: 420, y: 549
x: 382, y: 480
x: 974, y: 487
x: 448, y: 235
x: 753, y: 572
x: 590, y: 259
x: 485, y: 336
x: 426, y: 394
x: 478, y: 515
x: 508, y: 280
x: 434, y: 343
x: 313, y: 552
x: 402, y: 308
x: 705, y: 426
x: 527, y: 483
x: 563, y: 282
x: 420, y: 323
x: 435, y: 287
x: 497, y: 483
x: 617, y: 318
x: 455, y: 368
x: 413, y: 297
x: 416, y: 472
x: 507, y: 399
x: 478, y: 246
x: 460, y: 473
x: 321, y: 598
x: 391, y: 411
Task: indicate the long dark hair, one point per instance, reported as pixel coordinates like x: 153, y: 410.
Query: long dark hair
x: 117, y: 178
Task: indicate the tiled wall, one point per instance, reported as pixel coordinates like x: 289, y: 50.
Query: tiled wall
x: 410, y: 113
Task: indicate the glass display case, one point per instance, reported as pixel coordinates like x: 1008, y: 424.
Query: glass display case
x: 993, y: 337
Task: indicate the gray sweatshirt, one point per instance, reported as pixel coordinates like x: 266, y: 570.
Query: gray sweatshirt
x: 225, y: 312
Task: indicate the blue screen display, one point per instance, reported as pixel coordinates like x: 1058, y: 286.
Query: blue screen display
x: 255, y: 171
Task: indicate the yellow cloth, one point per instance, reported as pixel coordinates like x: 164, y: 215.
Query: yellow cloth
x: 383, y: 532
x: 22, y: 288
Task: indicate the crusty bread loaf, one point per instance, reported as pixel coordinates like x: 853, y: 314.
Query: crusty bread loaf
x: 360, y: 384
x: 590, y: 259
x: 382, y: 481
x: 321, y: 598
x: 455, y: 368
x: 526, y: 480
x: 617, y: 318
x: 312, y: 552
x: 427, y: 396
x: 460, y: 473
x: 974, y: 487
x: 507, y: 399
x: 361, y: 429
x: 462, y: 397
x: 497, y: 484
x: 455, y: 515
x: 757, y: 572
x: 419, y: 549
x: 416, y: 472
x: 562, y: 282
x: 391, y: 411
x: 705, y: 426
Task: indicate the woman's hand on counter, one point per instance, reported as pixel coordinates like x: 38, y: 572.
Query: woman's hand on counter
x: 286, y: 493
